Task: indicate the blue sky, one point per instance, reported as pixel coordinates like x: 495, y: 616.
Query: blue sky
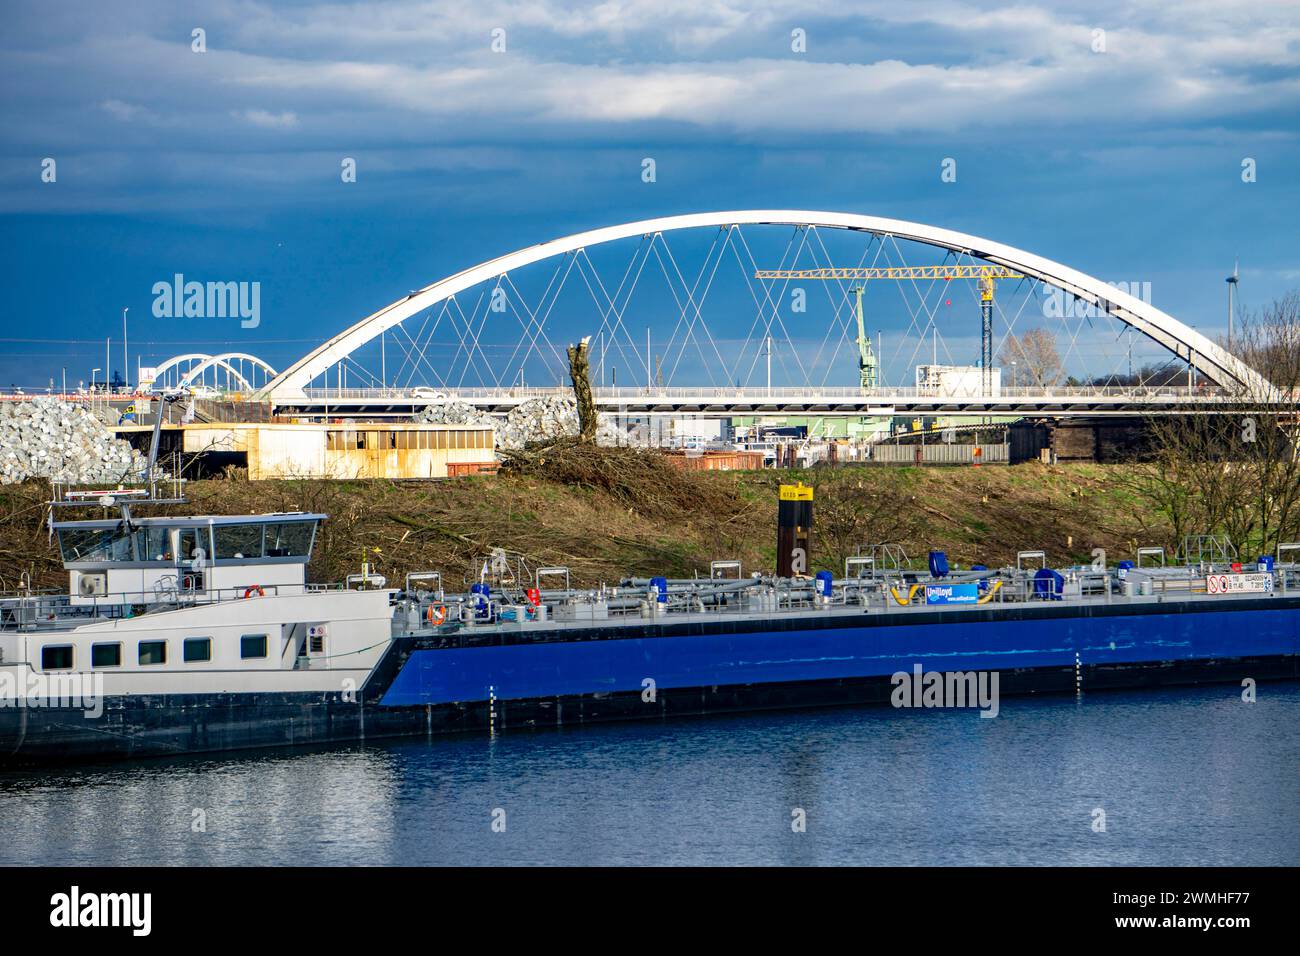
x: 225, y: 165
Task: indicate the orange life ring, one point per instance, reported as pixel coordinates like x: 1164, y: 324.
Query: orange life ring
x: 435, y: 614
x: 254, y: 589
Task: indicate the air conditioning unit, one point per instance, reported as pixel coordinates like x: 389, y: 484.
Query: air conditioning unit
x: 92, y: 585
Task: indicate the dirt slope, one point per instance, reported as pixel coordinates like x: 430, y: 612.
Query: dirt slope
x: 620, y: 520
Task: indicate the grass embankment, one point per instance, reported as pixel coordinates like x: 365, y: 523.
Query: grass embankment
x: 622, y: 512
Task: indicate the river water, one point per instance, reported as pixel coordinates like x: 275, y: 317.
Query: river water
x: 1184, y: 776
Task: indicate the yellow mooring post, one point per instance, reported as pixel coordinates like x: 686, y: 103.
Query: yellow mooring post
x: 793, y: 529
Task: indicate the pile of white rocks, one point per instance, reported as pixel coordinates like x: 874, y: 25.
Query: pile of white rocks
x: 533, y: 421
x: 545, y: 419
x: 49, y: 438
x: 453, y: 412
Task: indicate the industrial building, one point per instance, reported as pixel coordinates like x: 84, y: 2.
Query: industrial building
x: 348, y: 450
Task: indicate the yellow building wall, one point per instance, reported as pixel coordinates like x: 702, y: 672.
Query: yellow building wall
x: 361, y: 450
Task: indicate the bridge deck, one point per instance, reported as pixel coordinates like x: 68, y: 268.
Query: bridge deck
x: 844, y: 401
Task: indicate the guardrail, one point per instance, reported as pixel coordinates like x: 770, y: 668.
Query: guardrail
x: 846, y: 393
x: 939, y: 453
x: 31, y: 610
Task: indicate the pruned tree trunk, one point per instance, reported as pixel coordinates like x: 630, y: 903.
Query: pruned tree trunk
x: 580, y: 373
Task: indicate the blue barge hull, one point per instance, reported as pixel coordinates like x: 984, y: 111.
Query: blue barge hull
x: 473, y: 680
x: 842, y: 647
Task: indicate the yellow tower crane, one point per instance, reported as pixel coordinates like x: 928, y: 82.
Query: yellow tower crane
x: 986, y: 274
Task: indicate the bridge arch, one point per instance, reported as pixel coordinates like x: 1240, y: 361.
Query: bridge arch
x: 1184, y: 341
x: 224, y: 361
x: 201, y: 362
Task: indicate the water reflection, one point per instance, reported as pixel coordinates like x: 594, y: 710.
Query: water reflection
x: 1185, y: 777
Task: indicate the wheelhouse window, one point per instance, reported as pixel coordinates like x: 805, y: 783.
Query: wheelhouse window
x: 155, y: 543
x: 252, y: 645
x: 153, y: 652
x: 191, y: 540
x: 105, y: 655
x: 95, y: 544
x: 56, y: 657
x: 196, y: 649
x: 289, y: 539
x: 236, y: 541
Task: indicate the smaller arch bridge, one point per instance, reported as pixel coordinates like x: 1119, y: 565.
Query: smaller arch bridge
x: 231, y: 371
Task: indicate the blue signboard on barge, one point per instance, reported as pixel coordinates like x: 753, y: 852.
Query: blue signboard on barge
x: 968, y: 593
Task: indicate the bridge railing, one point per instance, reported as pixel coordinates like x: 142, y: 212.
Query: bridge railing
x: 884, y: 395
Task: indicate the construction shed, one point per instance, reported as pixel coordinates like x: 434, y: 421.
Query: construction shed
x: 1100, y: 439
x: 347, y: 449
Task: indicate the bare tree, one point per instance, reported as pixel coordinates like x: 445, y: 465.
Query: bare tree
x: 1035, y: 356
x: 849, y: 511
x: 1231, y: 468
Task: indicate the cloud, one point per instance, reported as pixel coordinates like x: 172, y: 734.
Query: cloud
x: 268, y: 120
x: 400, y: 76
x: 714, y: 65
x: 127, y: 112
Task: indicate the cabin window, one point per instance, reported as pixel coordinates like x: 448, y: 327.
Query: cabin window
x: 252, y: 645
x: 56, y: 657
x: 105, y: 655
x: 153, y: 652
x: 155, y: 544
x: 191, y: 540
x: 238, y: 540
x: 197, y: 649
x: 289, y: 539
x: 94, y: 544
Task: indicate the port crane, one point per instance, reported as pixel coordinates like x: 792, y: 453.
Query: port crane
x: 868, y: 364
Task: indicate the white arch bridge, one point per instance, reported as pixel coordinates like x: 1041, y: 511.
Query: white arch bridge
x: 481, y: 335
x: 235, y: 370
